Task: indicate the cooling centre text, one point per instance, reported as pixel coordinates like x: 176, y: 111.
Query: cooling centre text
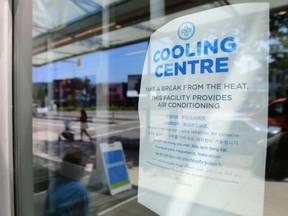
x: 190, y: 58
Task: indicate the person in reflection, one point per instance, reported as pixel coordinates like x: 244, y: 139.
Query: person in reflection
x: 83, y: 124
x: 65, y: 195
x: 277, y: 157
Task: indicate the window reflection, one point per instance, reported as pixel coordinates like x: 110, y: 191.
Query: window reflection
x: 82, y: 60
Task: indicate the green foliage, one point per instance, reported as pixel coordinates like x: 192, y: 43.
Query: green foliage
x: 279, y: 52
x: 39, y: 94
x: 279, y: 41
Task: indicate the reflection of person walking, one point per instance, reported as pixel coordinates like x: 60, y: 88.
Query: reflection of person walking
x: 84, y: 125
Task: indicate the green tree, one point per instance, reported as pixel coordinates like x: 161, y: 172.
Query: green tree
x: 279, y: 51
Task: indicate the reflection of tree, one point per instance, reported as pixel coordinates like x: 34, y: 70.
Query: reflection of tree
x: 84, y: 87
x: 279, y: 52
x: 279, y: 40
x: 87, y: 85
x: 80, y: 84
x: 39, y: 94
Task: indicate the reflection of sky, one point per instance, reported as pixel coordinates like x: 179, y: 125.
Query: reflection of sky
x: 109, y: 66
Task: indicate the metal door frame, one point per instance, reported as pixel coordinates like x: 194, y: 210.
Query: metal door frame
x: 22, y: 107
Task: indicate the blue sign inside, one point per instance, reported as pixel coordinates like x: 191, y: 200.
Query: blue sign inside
x: 116, y: 168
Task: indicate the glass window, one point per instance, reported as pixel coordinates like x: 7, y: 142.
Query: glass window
x: 88, y: 58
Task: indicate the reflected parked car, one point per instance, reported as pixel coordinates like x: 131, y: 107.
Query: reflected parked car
x: 278, y: 114
x: 277, y: 117
x: 39, y: 111
x: 277, y: 157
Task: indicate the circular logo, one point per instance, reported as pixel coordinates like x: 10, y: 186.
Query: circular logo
x: 186, y: 31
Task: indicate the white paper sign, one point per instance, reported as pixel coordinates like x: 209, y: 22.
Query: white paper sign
x: 202, y: 111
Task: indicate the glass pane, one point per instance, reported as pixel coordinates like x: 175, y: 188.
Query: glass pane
x: 88, y: 58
